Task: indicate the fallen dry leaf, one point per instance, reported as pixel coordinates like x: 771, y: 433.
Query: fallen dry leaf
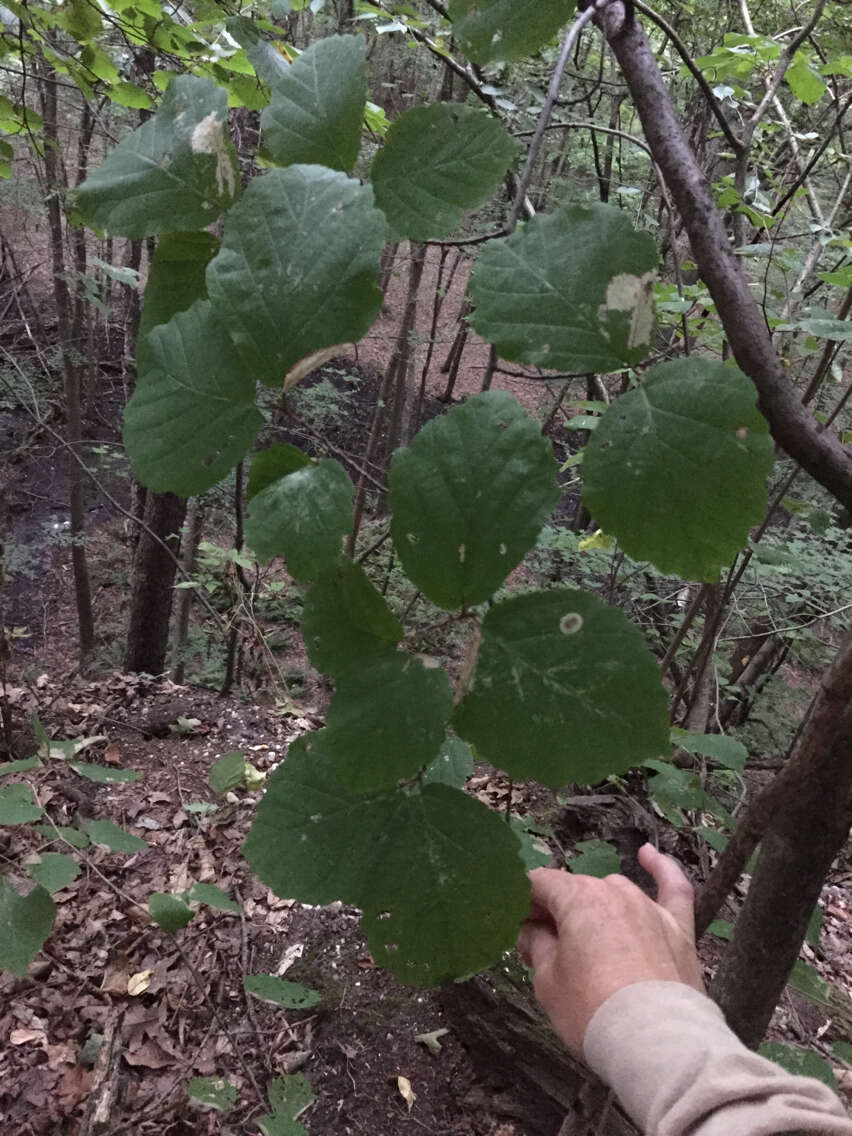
x: 138, y: 983
x: 112, y: 754
x: 406, y: 1091
x: 430, y: 1040
x: 25, y: 1036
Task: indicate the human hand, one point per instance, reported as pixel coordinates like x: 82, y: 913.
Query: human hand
x: 587, y: 938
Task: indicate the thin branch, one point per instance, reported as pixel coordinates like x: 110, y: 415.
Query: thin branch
x: 546, y: 113
x: 823, y: 456
x: 695, y: 72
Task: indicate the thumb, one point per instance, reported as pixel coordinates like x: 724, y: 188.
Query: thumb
x: 674, y: 891
x: 537, y: 941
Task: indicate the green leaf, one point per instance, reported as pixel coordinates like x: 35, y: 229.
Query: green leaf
x: 572, y: 290
x: 298, y: 267
x: 268, y: 62
x: 595, y: 858
x: 346, y: 623
x: 469, y: 497
x: 564, y: 690
x: 290, y: 995
x: 129, y: 95
x: 176, y: 171
x: 814, y: 927
x: 214, y: 1092
x: 507, y: 29
x: 316, y: 111
x: 386, y: 721
x: 672, y: 789
x: 452, y: 766
x: 115, y: 838
x: 801, y: 1062
x: 24, y: 765
x: 272, y: 463
x: 716, y: 839
x: 302, y: 517
x: 534, y: 852
x: 192, y: 416
x: 54, y: 870
x: 169, y: 911
x: 809, y: 983
x: 81, y: 19
x: 25, y: 924
x: 805, y: 81
x: 721, y: 928
x: 73, y: 836
x: 439, y: 162
x: 436, y: 873
x: 17, y: 804
x: 843, y: 1050
x: 839, y: 330
x: 176, y: 277
x: 103, y: 774
x: 677, y: 469
x: 289, y: 1096
x: 726, y: 750
x: 228, y: 772
x: 214, y: 897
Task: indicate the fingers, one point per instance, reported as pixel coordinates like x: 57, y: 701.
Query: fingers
x: 552, y: 892
x: 536, y: 942
x: 674, y: 891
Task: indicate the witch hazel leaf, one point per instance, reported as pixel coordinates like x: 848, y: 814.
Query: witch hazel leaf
x: 691, y: 432
x: 436, y: 873
x: 469, y: 497
x: 564, y: 690
x: 571, y: 290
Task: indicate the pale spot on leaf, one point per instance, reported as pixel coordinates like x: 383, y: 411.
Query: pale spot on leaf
x: 208, y: 137
x: 571, y: 623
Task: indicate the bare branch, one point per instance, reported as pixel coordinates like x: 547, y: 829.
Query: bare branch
x: 824, y: 457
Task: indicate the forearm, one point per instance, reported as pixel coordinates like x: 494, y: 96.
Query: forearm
x: 678, y: 1070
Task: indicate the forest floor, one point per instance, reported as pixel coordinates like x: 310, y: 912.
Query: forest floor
x: 176, y: 1004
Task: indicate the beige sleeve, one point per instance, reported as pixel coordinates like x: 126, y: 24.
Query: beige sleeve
x: 678, y: 1070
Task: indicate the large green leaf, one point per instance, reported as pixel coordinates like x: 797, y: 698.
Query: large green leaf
x: 176, y: 278
x: 17, y: 804
x: 54, y: 870
x: 176, y: 171
x: 280, y: 992
x: 214, y: 1092
x: 571, y: 291
x: 289, y: 1096
x: 298, y: 267
x: 799, y: 1061
x: 436, y: 873
x: 386, y: 721
x: 345, y: 622
x: 114, y: 837
x: 302, y: 517
x: 25, y: 923
x: 169, y: 911
x: 469, y: 497
x: 316, y: 112
x: 192, y: 416
x: 677, y: 469
x: 564, y: 690
x: 452, y: 766
x: 437, y: 163
x: 270, y: 464
x: 507, y: 29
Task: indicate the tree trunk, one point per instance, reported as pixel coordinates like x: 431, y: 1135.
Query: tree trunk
x: 805, y: 831
x: 402, y: 361
x: 194, y: 525
x: 153, y: 579
x: 531, y: 1076
x: 69, y: 332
